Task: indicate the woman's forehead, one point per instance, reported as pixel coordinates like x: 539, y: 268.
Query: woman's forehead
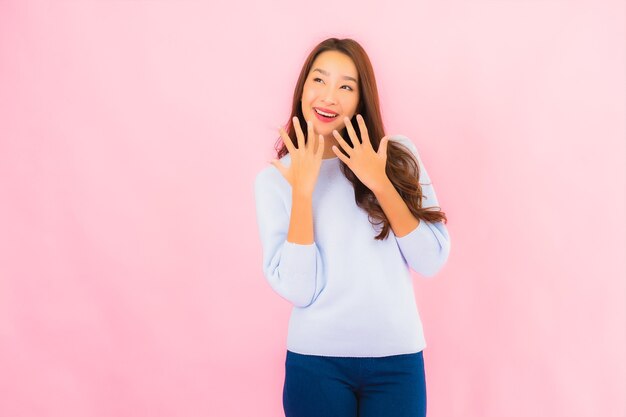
x: 334, y: 63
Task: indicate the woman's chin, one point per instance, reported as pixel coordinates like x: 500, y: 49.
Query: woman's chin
x: 327, y: 131
x: 323, y: 132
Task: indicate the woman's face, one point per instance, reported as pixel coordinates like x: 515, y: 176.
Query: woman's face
x: 331, y: 87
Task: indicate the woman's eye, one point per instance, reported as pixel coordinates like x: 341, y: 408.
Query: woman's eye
x: 319, y: 79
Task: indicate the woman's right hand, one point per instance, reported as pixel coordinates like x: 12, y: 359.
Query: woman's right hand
x: 305, y: 160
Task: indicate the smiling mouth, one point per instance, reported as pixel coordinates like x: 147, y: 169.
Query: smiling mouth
x: 325, y: 114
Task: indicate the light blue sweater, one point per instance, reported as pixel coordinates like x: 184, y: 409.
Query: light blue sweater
x: 352, y: 295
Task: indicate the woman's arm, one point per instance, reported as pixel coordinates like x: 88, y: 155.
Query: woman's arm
x: 301, y: 219
x: 424, y: 245
x: 400, y: 217
x: 292, y: 268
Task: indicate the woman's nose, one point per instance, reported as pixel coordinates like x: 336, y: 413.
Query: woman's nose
x: 328, y: 96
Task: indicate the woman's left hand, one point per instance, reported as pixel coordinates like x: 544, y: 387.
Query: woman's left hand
x: 367, y: 165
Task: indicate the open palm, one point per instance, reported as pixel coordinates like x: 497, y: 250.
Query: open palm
x: 305, y: 159
x: 367, y: 164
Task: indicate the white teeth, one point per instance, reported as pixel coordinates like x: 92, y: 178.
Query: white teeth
x: 325, y: 114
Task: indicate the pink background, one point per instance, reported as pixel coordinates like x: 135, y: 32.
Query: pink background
x: 130, y: 263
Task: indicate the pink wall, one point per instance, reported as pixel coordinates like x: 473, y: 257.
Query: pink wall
x: 130, y: 135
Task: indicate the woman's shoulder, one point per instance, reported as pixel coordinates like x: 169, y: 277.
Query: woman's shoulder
x: 271, y: 175
x: 404, y: 140
x: 407, y: 143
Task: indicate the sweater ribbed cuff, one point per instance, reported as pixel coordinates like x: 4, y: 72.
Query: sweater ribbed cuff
x: 298, y: 259
x: 419, y: 241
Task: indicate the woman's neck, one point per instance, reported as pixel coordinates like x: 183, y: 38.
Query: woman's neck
x: 329, y: 142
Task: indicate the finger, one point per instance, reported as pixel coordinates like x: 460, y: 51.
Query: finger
x: 363, y: 131
x: 286, y: 140
x: 310, y: 136
x: 320, y: 148
x: 299, y: 134
x: 343, y: 143
x: 352, y: 133
x: 382, y: 147
x: 341, y: 156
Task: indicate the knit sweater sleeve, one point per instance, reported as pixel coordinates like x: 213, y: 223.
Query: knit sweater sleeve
x: 427, y: 247
x: 293, y: 270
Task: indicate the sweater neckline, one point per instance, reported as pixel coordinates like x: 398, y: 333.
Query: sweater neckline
x: 330, y: 163
x: 325, y: 162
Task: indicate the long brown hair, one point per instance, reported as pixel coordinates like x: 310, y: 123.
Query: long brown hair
x: 402, y: 168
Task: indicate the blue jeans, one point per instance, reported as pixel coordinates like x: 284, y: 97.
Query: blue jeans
x: 330, y: 386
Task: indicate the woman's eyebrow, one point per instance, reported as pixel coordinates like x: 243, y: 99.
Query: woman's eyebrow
x: 344, y: 77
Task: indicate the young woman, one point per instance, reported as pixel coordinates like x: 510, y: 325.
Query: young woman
x: 342, y: 219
